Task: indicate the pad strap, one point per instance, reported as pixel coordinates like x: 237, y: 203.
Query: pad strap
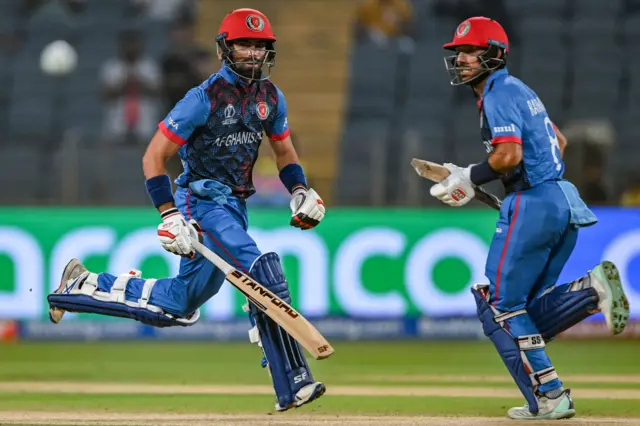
x: 119, y: 287
x: 146, y: 292
x: 502, y: 317
x: 544, y: 376
x: 90, y: 284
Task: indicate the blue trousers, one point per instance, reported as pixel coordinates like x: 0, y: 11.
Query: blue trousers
x: 225, y: 232
x: 532, y: 243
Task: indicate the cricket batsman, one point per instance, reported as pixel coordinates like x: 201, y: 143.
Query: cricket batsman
x: 522, y: 307
x: 216, y: 129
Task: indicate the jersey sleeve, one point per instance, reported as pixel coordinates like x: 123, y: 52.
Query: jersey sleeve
x: 504, y: 119
x: 279, y: 128
x: 186, y: 116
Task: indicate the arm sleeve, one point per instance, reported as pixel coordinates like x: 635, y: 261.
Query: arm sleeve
x: 504, y: 118
x: 189, y: 113
x: 280, y: 125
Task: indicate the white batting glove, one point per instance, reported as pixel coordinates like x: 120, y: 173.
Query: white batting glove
x: 307, y: 208
x: 174, y: 233
x: 457, y: 189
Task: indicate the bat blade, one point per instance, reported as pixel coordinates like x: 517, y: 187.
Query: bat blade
x: 432, y: 171
x: 275, y: 308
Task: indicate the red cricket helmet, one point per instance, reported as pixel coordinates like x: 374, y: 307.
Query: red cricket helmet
x: 247, y: 24
x: 481, y: 32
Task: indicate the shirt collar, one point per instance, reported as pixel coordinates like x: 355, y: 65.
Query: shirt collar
x: 503, y: 72
x: 228, y: 75
x: 232, y: 77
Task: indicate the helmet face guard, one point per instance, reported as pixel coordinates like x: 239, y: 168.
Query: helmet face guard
x: 263, y: 72
x: 484, y: 33
x: 247, y: 24
x: 488, y: 61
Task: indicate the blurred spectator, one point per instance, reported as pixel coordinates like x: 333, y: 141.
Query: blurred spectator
x: 593, y: 189
x: 631, y: 194
x: 182, y: 68
x: 386, y: 21
x: 165, y: 10
x: 199, y: 70
x: 11, y: 42
x: 459, y: 10
x: 180, y: 64
x: 131, y: 85
x: 205, y: 64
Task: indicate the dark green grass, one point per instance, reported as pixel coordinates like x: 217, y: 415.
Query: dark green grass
x: 210, y: 363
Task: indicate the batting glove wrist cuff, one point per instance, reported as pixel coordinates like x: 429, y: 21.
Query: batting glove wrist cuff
x: 169, y: 212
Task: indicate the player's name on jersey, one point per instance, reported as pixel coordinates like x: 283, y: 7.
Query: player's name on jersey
x: 536, y: 106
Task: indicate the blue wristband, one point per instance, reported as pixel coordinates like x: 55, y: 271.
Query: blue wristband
x: 292, y: 175
x: 159, y: 189
x: 483, y: 173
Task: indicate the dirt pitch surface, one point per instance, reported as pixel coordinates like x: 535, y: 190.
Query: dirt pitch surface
x: 113, y: 419
x: 335, y: 390
x: 291, y: 418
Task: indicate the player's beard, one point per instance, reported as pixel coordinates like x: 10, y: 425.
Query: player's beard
x: 251, y: 69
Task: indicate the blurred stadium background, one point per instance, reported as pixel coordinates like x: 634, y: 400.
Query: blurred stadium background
x: 367, y: 91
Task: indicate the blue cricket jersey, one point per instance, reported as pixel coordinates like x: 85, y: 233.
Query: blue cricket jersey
x: 511, y: 112
x: 219, y: 126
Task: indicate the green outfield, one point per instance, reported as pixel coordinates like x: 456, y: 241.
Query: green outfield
x: 367, y: 383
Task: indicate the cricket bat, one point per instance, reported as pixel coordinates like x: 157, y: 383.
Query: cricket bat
x: 437, y: 173
x: 277, y: 309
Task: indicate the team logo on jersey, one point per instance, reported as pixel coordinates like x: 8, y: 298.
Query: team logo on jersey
x: 463, y: 29
x: 263, y: 110
x: 229, y: 115
x: 255, y: 23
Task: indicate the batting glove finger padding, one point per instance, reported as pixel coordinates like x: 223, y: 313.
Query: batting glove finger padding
x: 174, y: 233
x: 307, y: 209
x: 457, y: 189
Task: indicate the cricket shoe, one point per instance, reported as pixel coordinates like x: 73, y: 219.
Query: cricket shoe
x: 305, y: 395
x: 613, y: 303
x: 72, y: 271
x: 557, y: 408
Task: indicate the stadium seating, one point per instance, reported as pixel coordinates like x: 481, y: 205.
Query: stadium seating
x: 347, y: 100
